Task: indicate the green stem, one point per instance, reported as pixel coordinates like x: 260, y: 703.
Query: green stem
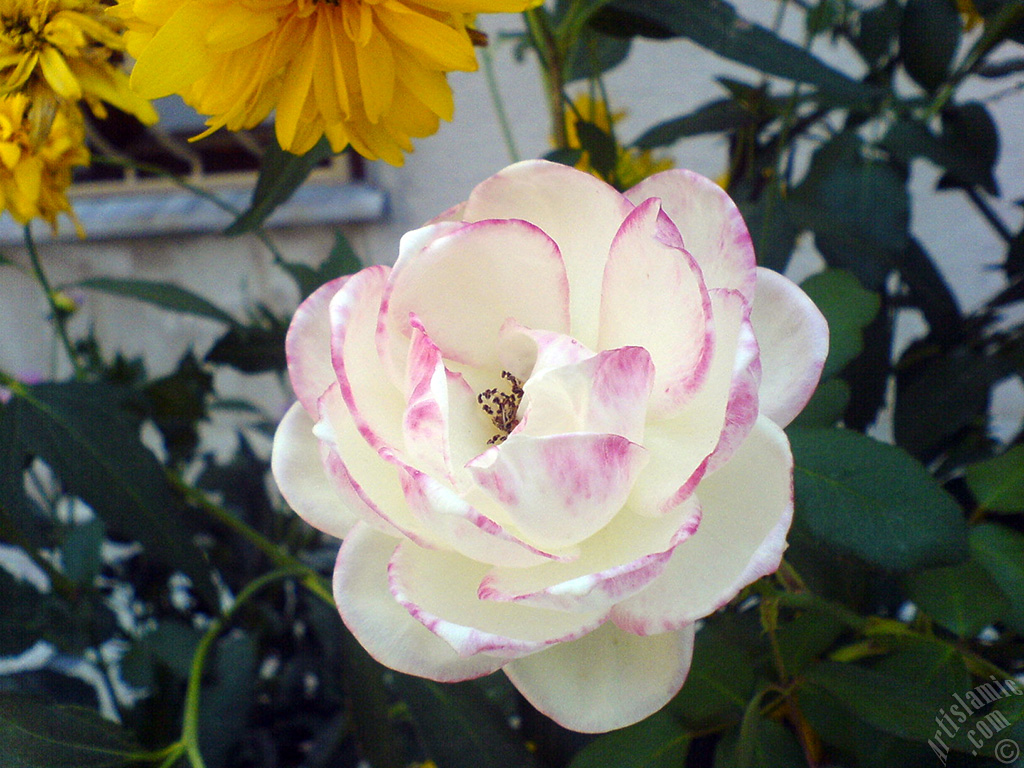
x: 551, y: 59
x: 59, y: 318
x: 499, y: 105
x: 312, y: 580
x: 190, y: 721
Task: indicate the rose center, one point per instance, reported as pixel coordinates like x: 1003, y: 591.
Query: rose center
x: 502, y: 407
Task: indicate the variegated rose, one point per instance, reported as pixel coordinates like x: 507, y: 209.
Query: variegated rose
x: 551, y: 435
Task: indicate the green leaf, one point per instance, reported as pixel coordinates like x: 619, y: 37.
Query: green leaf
x: 805, y: 638
x: 35, y: 734
x: 858, y: 209
x: 177, y: 403
x: 342, y: 260
x: 226, y: 698
x: 874, y: 501
x: 81, y: 551
x: 599, y: 146
x: 998, y: 483
x: 22, y: 620
x: 459, y: 727
x: 714, y: 117
x: 715, y: 25
x: 963, y: 598
x: 564, y: 156
x: 972, y: 136
x: 826, y: 406
x: 164, y: 295
x: 1000, y: 550
x: 281, y: 173
x: 255, y: 348
x: 848, y: 308
x: 657, y: 742
x: 92, y: 444
x: 594, y: 54
x: 929, y: 36
x: 758, y: 743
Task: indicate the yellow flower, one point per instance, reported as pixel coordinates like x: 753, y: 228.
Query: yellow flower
x: 370, y: 73
x: 36, y: 172
x: 632, y: 165
x: 60, y: 51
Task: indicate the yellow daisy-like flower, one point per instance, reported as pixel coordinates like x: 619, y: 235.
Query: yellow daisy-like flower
x: 36, y: 172
x: 370, y: 73
x: 632, y: 165
x: 60, y: 51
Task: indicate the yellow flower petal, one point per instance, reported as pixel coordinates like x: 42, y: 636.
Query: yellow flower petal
x: 58, y: 75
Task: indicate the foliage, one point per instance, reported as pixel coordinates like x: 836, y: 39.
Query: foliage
x: 903, y: 590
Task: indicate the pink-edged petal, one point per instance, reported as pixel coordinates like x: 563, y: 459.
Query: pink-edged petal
x: 425, y: 424
x: 606, y: 680
x: 439, y: 589
x: 527, y: 352
x: 748, y: 508
x: 618, y: 561
x: 308, y: 346
x: 377, y: 406
x: 712, y: 227
x: 607, y: 393
x: 579, y: 212
x: 654, y: 297
x: 299, y: 472
x: 681, y: 447
x: 466, y: 283
x: 462, y: 528
x: 382, y: 625
x: 469, y: 428
x: 793, y: 336
x: 560, y: 489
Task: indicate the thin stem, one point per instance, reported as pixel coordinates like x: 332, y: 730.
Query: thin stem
x: 990, y: 216
x: 59, y: 319
x: 190, y: 720
x: 544, y: 42
x: 499, y: 105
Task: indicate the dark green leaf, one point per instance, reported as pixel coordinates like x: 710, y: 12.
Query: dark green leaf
x: 594, y: 54
x: 599, y: 146
x: 963, y: 598
x: 178, y: 402
x: 459, y: 727
x: 281, y: 173
x: 251, y: 349
x: 35, y: 734
x: 93, y: 446
x: 759, y: 743
x: 998, y: 483
x: 929, y: 292
x: 826, y: 406
x: 657, y: 742
x: 342, y: 260
x: 929, y: 36
x: 970, y: 134
x: 802, y: 640
x: 22, y: 618
x: 81, y: 551
x: 857, y: 208
x: 848, y: 308
x: 715, y: 25
x: 564, y: 156
x: 165, y: 295
x: 1000, y: 550
x: 878, y: 28
x: 714, y: 117
x: 874, y: 501
x: 226, y: 698
x: 771, y: 229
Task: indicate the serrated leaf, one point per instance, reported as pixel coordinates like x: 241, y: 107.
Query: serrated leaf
x: 998, y: 483
x: 164, y: 295
x: 1000, y: 551
x: 848, y: 308
x: 35, y: 734
x: 657, y: 742
x: 281, y: 173
x: 963, y: 598
x: 874, y: 501
x: 93, y: 447
x: 459, y: 727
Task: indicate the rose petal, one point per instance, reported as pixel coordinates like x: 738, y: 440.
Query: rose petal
x: 681, y: 447
x: 560, y: 489
x: 308, y: 346
x: 793, y: 336
x: 466, y: 283
x: 606, y: 393
x: 606, y: 680
x: 617, y: 561
x: 579, y: 212
x: 299, y: 472
x: 748, y: 508
x: 712, y: 227
x: 653, y: 296
x: 426, y: 415
x: 527, y: 352
x: 439, y: 589
x: 377, y: 406
x: 383, y: 626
